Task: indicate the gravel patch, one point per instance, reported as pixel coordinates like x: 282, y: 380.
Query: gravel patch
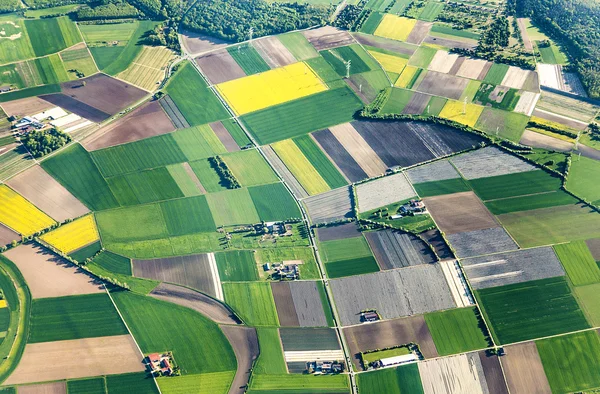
x: 489, y: 161
x: 384, y: 191
x: 330, y: 206
x: 480, y: 242
x: 437, y: 171
x: 395, y: 249
x: 404, y: 292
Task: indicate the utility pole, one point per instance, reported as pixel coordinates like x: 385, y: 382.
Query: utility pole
x: 465, y: 106
x: 250, y: 33
x: 577, y: 140
x: 348, y: 63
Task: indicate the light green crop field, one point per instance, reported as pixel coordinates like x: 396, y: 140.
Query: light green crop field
x: 270, y: 361
x: 578, y: 262
x: 138, y: 222
x: 208, y: 176
x: 422, y: 57
x: 589, y: 299
x: 304, y: 383
x: 496, y: 74
x: 248, y: 59
x: 581, y: 171
x: 250, y: 168
x: 457, y: 331
x: 232, y: 207
x: 187, y: 216
x: 183, y: 180
x: 113, y: 262
x: 18, y: 48
x: 206, y: 383
x: 298, y: 46
x: 237, y: 266
x: 274, y: 202
x: 97, y: 34
x: 198, y: 142
x: 400, y: 380
x: 343, y: 249
x: 512, y: 185
x: 253, y: 302
x: 144, y: 187
x: 80, y: 60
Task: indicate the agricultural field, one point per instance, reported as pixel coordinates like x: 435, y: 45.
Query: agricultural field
x: 457, y: 331
x: 253, y: 302
x: 404, y: 379
x: 581, y: 171
x: 148, y: 69
x: 73, y: 235
x: 346, y: 257
x: 20, y: 215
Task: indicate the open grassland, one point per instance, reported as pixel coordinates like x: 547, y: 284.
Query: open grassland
x: 248, y: 59
x: 73, y: 235
x: 581, y: 171
x: 253, y: 302
x: 320, y: 161
x: 274, y: 202
x: 552, y: 225
x: 19, y: 48
x: 74, y: 317
x: 80, y: 60
x: 453, y: 110
x: 571, y: 362
x: 236, y: 266
x: 51, y: 35
x: 578, y: 262
x: 76, y: 171
x: 20, y: 215
x: 158, y: 326
x: 457, y: 331
x: 194, y: 99
x: 395, y: 27
x: 513, y: 185
x: 300, y: 383
x: 300, y: 167
x: 271, y: 88
x: 148, y: 68
x: 303, y: 116
x: 250, y: 168
x: 400, y: 380
x: 270, y: 361
x: 530, y: 310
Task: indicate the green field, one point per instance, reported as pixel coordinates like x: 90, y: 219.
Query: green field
x: 198, y: 142
x: 237, y: 266
x: 80, y: 60
x: 236, y: 132
x: 579, y: 263
x: 509, y: 125
x: 308, y: 268
x: 74, y: 317
x: 86, y: 386
x: 184, y: 181
x: 525, y: 203
x: 397, y: 100
x: 372, y: 82
x: 360, y: 60
x: 86, y: 252
x: 449, y: 31
x: 250, y: 168
x: 75, y: 170
x: 581, y: 171
x: 326, y: 73
x: 144, y: 187
x: 17, y: 49
x: 437, y: 188
x: 232, y: 207
x: 210, y: 179
x: 51, y: 35
x: 136, y: 285
x: 551, y: 54
x: 206, y: 383
x: 349, y: 256
x: 422, y: 57
x: 98, y: 34
x: 270, y: 361
x: 195, y: 100
x: 400, y: 380
x: 187, y: 215
x: 302, y: 116
x: 51, y: 69
x: 512, y: 185
x: 552, y: 225
x: 113, y: 262
x: 139, y: 222
x: 24, y: 93
x: 571, y: 362
x: 330, y: 174
x: 496, y: 74
x: 129, y: 383
x: 253, y: 302
x: 589, y: 300
x: 508, y: 102
x: 370, y: 25
x: 302, y: 383
x: 298, y: 45
x: 248, y: 58
x: 113, y: 60
x: 349, y: 267
x: 534, y: 309
x: 32, y: 13
x: 431, y: 11
x: 457, y: 331
x: 160, y: 326
x: 274, y: 202
x: 435, y: 106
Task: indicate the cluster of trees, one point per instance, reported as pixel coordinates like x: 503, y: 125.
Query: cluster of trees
x: 227, y: 178
x: 497, y: 33
x: 231, y: 19
x: 51, y: 3
x: 164, y: 34
x: 113, y: 10
x: 352, y: 16
x: 575, y: 24
x: 8, y: 6
x: 40, y: 143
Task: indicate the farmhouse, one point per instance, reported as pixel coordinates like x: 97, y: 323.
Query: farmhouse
x: 405, y: 358
x: 369, y: 316
x: 322, y: 367
x: 159, y: 364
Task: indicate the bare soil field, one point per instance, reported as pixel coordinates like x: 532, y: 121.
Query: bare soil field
x: 480, y: 242
x: 26, y: 107
x: 385, y: 43
x: 307, y: 303
x: 551, y: 76
x: 445, y: 85
x: 359, y: 149
x: 284, y: 304
x: 405, y: 292
x: 173, y: 112
x: 340, y: 156
x: 443, y: 62
x: 341, y: 231
x: 383, y: 191
x: 284, y: 172
x: 437, y: 171
x: 474, y: 68
x: 569, y: 122
x: 47, y: 194
x: 513, y: 267
x: 245, y: 346
x: 197, y: 271
x: 45, y: 388
x: 197, y: 43
x: 523, y: 29
x: 146, y: 121
x: 328, y: 37
x: 224, y: 136
x: 449, y: 43
x: 77, y: 107
x: 594, y: 247
x: 48, y: 275
x: 219, y: 66
x: 515, y: 77
x: 537, y: 140
x: 329, y: 206
x: 188, y: 169
x: 457, y: 65
x: 419, y: 32
x: 435, y: 239
x: 7, y: 235
x: 384, y: 334
x: 524, y: 370
x: 77, y: 358
x: 493, y: 373
x: 395, y: 249
x: 199, y: 302
x: 462, y: 374
x: 273, y: 52
x: 527, y: 103
x: 489, y: 161
x: 417, y: 104
x: 459, y: 212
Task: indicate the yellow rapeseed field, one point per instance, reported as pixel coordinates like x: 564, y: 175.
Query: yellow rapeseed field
x: 3, y: 304
x: 406, y: 77
x: 21, y: 215
x: 259, y: 91
x: 453, y: 110
x: 74, y: 235
x: 299, y: 165
x: 395, y: 27
x: 393, y: 64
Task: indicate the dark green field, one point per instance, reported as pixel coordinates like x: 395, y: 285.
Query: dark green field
x: 46, y: 35
x: 302, y: 116
x: 159, y: 326
x: 508, y: 102
x: 86, y: 252
x: 525, y: 203
x: 113, y: 262
x: 130, y: 383
x: 270, y: 361
x: 579, y: 263
x: 532, y: 309
x: 105, y: 56
x: 140, y: 222
x: 236, y: 132
x: 338, y: 56
x: 370, y: 25
x: 437, y: 188
x: 144, y: 187
x: 75, y: 170
x: 23, y: 93
x: 195, y: 100
x: 248, y: 58
x: 326, y: 72
x: 513, y: 185
x: 273, y: 202
x: 74, y: 317
x: 187, y: 215
x: 457, y: 331
x: 237, y: 266
x: 322, y: 164
x: 400, y: 380
x: 86, y: 386
x: 357, y: 266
